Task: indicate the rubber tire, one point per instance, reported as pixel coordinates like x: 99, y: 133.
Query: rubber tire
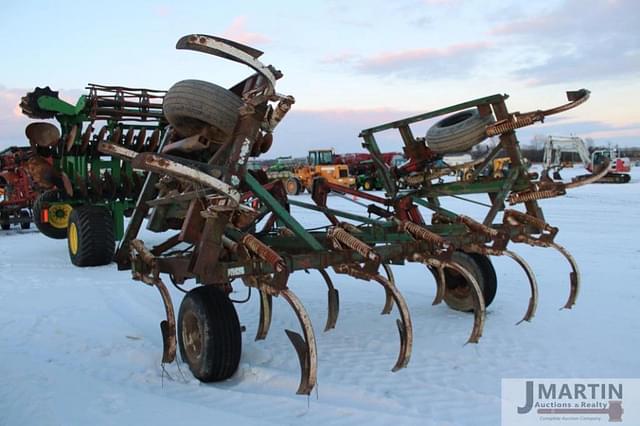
x: 489, y: 276
x: 221, y: 343
x: 24, y: 225
x: 5, y: 226
x: 368, y: 185
x: 458, y: 132
x: 482, y: 273
x: 96, y: 236
x: 192, y: 105
x: 293, y: 186
x: 45, y: 228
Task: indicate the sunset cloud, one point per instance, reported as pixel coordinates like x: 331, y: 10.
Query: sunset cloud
x: 339, y: 58
x: 237, y: 32
x: 427, y: 62
x: 599, y: 43
x: 12, y: 122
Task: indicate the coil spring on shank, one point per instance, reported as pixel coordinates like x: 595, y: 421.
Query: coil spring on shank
x: 523, y: 197
x: 511, y: 124
x: 525, y: 218
x: 263, y: 251
x: 352, y: 242
x: 424, y: 234
x: 477, y: 226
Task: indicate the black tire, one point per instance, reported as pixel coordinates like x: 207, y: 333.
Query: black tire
x: 45, y: 228
x: 458, y: 293
x: 490, y: 285
x: 209, y: 334
x: 24, y: 214
x: 91, y: 238
x: 458, y: 132
x: 293, y: 186
x: 5, y: 225
x: 192, y: 105
x: 368, y: 185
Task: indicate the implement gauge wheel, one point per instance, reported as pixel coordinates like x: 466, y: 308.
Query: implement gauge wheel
x: 458, y: 132
x: 91, y: 239
x: 192, y: 105
x: 51, y: 219
x: 458, y: 292
x: 209, y: 334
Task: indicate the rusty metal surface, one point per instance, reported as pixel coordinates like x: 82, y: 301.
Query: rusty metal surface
x: 42, y: 134
x: 405, y: 326
x: 148, y: 273
x: 533, y: 285
x: 518, y: 120
x: 333, y: 301
x: 305, y: 346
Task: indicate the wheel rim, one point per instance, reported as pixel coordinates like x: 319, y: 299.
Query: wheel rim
x: 458, y: 294
x: 73, y: 238
x: 291, y: 187
x: 456, y: 119
x: 59, y: 215
x: 457, y: 285
x: 191, y: 336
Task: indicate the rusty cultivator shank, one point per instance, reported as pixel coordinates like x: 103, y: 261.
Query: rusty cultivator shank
x: 234, y: 225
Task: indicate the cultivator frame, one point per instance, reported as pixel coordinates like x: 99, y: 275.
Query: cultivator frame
x: 239, y: 226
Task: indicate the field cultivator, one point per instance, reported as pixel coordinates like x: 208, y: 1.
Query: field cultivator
x: 85, y: 194
x: 17, y: 192
x: 233, y: 224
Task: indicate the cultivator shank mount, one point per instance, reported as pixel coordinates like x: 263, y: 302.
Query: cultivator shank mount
x: 233, y: 224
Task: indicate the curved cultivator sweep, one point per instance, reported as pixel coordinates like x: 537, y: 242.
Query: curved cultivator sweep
x: 234, y: 224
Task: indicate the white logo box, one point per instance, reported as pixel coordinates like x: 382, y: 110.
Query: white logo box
x: 543, y: 401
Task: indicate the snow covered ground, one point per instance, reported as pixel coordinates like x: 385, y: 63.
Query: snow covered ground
x: 83, y: 346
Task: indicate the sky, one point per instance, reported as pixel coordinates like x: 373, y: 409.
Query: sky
x: 349, y: 64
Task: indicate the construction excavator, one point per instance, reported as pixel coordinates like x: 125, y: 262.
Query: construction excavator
x: 555, y: 146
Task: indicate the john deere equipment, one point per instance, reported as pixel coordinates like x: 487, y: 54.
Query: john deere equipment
x: 86, y: 194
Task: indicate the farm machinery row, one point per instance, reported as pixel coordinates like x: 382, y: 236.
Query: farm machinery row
x: 353, y: 170
x: 227, y: 224
x: 17, y: 191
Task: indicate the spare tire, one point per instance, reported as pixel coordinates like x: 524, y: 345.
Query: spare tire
x: 458, y: 132
x: 192, y: 105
